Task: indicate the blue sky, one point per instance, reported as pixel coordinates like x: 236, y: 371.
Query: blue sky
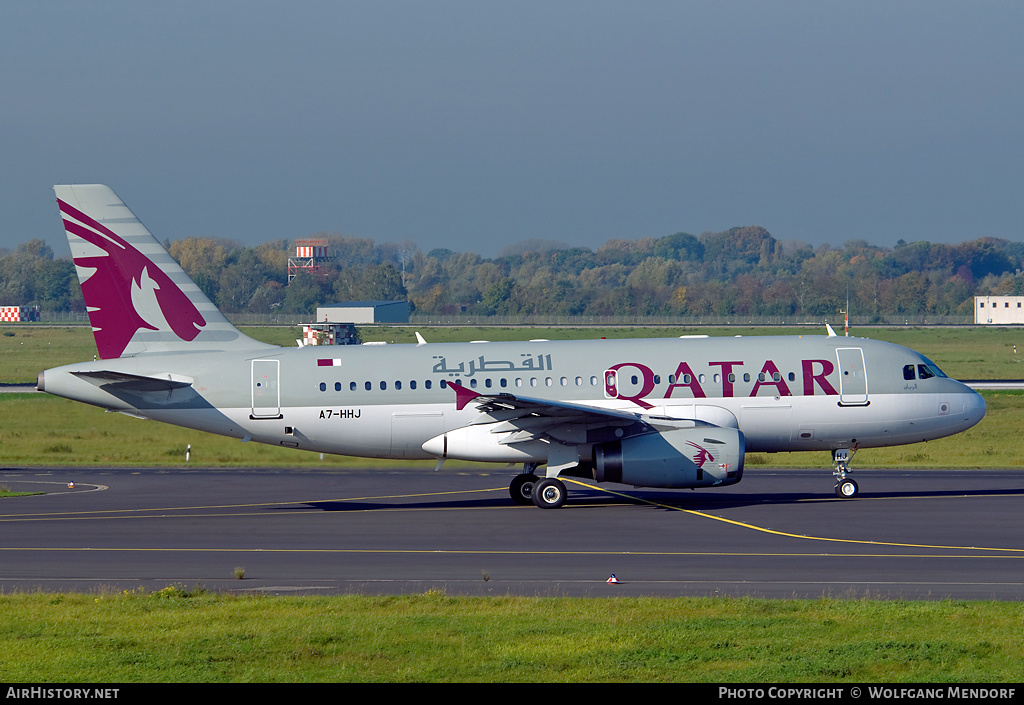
x: 473, y: 124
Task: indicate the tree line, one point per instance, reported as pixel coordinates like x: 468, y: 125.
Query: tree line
x: 738, y: 272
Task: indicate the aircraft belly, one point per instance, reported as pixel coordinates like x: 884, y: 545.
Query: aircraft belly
x: 363, y: 430
x: 224, y: 422
x: 411, y: 427
x: 890, y: 419
x: 766, y: 424
x: 384, y: 431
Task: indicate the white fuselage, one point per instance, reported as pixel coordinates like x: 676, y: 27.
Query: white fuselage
x: 783, y: 393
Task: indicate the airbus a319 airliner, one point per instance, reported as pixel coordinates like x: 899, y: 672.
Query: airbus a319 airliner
x: 665, y: 413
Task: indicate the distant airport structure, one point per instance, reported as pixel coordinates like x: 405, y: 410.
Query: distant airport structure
x: 363, y: 312
x: 329, y: 334
x: 310, y: 255
x: 17, y: 314
x: 336, y: 324
x: 998, y: 310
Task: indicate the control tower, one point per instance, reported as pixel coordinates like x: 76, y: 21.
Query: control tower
x: 310, y: 254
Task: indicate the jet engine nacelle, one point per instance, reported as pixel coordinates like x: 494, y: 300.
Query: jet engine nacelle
x: 685, y: 457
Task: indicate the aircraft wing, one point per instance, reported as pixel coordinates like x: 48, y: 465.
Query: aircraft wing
x: 490, y: 403
x: 528, y: 418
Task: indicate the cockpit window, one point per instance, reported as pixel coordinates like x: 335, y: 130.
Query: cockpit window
x: 929, y: 370
x: 922, y: 371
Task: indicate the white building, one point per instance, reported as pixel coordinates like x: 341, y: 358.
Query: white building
x: 998, y: 310
x: 364, y: 312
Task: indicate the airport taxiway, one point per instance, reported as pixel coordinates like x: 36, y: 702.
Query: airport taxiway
x: 920, y: 534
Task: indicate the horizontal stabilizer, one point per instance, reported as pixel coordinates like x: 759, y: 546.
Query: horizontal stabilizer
x: 136, y: 383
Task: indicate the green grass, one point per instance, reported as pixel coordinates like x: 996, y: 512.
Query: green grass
x: 980, y: 352
x: 183, y: 635
x: 44, y: 430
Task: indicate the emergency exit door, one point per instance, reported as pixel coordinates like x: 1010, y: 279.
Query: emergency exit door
x: 853, y: 377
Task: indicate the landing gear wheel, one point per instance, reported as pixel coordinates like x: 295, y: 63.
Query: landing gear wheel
x: 521, y: 488
x: 846, y: 488
x: 549, y: 493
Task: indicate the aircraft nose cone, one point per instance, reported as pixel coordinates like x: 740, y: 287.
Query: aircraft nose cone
x: 975, y: 406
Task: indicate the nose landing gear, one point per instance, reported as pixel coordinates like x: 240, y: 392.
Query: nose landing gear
x: 846, y: 487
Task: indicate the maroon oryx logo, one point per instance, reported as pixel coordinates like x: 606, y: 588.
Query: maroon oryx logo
x: 108, y: 291
x: 701, y: 456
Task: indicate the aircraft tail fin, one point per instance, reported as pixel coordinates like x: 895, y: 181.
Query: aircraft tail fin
x: 138, y: 298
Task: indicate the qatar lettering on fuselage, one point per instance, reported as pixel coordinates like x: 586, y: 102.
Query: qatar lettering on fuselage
x: 814, y: 380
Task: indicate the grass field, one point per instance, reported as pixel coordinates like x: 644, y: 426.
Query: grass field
x: 43, y: 430
x: 963, y: 353
x: 184, y: 635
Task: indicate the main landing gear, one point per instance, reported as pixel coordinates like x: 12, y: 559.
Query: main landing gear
x: 846, y: 486
x: 522, y: 486
x: 544, y: 492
